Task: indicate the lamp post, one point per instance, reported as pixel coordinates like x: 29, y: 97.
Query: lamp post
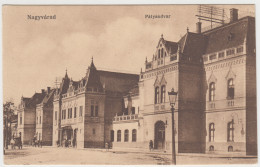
x: 172, y: 100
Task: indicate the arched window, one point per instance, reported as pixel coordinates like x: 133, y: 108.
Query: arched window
x: 212, y: 91
x: 230, y: 131
x: 111, y: 135
x: 126, y: 135
x: 211, y: 148
x: 163, y: 94
x: 211, y: 131
x: 162, y: 52
x: 159, y: 54
x: 134, y: 135
x: 156, y: 98
x: 119, y: 135
x: 230, y: 89
x: 230, y: 149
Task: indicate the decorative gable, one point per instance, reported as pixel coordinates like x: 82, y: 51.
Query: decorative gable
x: 163, y: 81
x: 157, y: 82
x: 230, y: 74
x: 212, y: 78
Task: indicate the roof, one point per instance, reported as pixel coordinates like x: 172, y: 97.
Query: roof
x: 171, y: 47
x: 36, y: 99
x: 227, y: 36
x: 48, y: 98
x: 118, y: 82
x: 192, y: 44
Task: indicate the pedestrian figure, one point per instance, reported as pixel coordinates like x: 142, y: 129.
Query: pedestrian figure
x: 107, y: 146
x: 151, y: 145
x: 12, y: 143
x: 74, y: 142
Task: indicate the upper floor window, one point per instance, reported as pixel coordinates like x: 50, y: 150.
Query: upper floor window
x: 159, y: 53
x: 230, y: 52
x: 156, y: 99
x: 212, y: 57
x: 221, y: 55
x: 240, y: 49
x: 40, y: 119
x: 94, y: 109
x: 162, y: 53
x: 56, y: 116
x: 69, y: 113
x: 119, y: 135
x: 134, y: 135
x: 231, y: 90
x: 230, y: 131
x: 163, y: 94
x: 126, y: 135
x: 211, y: 131
x: 133, y: 110
x: 212, y: 91
x: 80, y: 111
x: 21, y: 119
x: 75, y: 112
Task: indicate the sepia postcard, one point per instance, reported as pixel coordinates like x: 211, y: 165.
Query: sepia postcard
x: 129, y: 84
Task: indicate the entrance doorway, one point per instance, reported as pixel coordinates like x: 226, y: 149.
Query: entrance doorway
x: 159, y: 135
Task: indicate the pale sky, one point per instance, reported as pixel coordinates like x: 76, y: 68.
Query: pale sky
x: 119, y: 38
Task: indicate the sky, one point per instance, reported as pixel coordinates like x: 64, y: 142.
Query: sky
x: 119, y: 38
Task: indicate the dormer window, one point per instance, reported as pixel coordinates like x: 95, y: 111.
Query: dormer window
x: 162, y: 53
x: 230, y: 36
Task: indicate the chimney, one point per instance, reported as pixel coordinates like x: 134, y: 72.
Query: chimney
x: 198, y: 27
x: 233, y: 15
x: 43, y: 91
x: 48, y: 90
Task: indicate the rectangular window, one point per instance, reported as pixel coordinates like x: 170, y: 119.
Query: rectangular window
x: 56, y: 117
x: 173, y: 58
x: 75, y: 112
x: 94, y: 131
x: 80, y: 111
x: 37, y: 120
x: 230, y: 52
x: 40, y: 119
x: 205, y: 58
x: 212, y: 57
x: 221, y: 55
x: 133, y: 110
x: 111, y: 135
x: 96, y: 111
x: 21, y: 119
x: 92, y: 111
x: 240, y: 49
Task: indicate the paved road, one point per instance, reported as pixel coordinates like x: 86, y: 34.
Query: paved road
x: 70, y: 156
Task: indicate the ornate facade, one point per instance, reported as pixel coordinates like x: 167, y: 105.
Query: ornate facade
x: 214, y: 73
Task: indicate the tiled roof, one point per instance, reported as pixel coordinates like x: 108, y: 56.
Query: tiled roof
x: 171, y: 47
x: 117, y: 82
x: 36, y: 99
x: 193, y: 44
x: 48, y: 98
x: 227, y: 36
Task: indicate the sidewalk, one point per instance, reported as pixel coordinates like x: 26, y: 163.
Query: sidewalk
x: 161, y: 152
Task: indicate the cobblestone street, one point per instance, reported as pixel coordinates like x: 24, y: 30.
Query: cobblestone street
x: 70, y: 156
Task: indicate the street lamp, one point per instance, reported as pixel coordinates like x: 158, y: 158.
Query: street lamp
x: 172, y: 100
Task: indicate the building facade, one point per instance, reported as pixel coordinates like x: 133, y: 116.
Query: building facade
x: 27, y: 117
x: 214, y: 73
x: 83, y: 110
x: 44, y: 118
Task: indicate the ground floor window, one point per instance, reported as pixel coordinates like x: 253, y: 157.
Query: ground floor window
x: 119, y: 135
x: 134, y: 135
x: 126, y: 135
x: 111, y: 135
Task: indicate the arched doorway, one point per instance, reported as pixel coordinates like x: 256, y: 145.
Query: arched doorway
x: 159, y: 135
